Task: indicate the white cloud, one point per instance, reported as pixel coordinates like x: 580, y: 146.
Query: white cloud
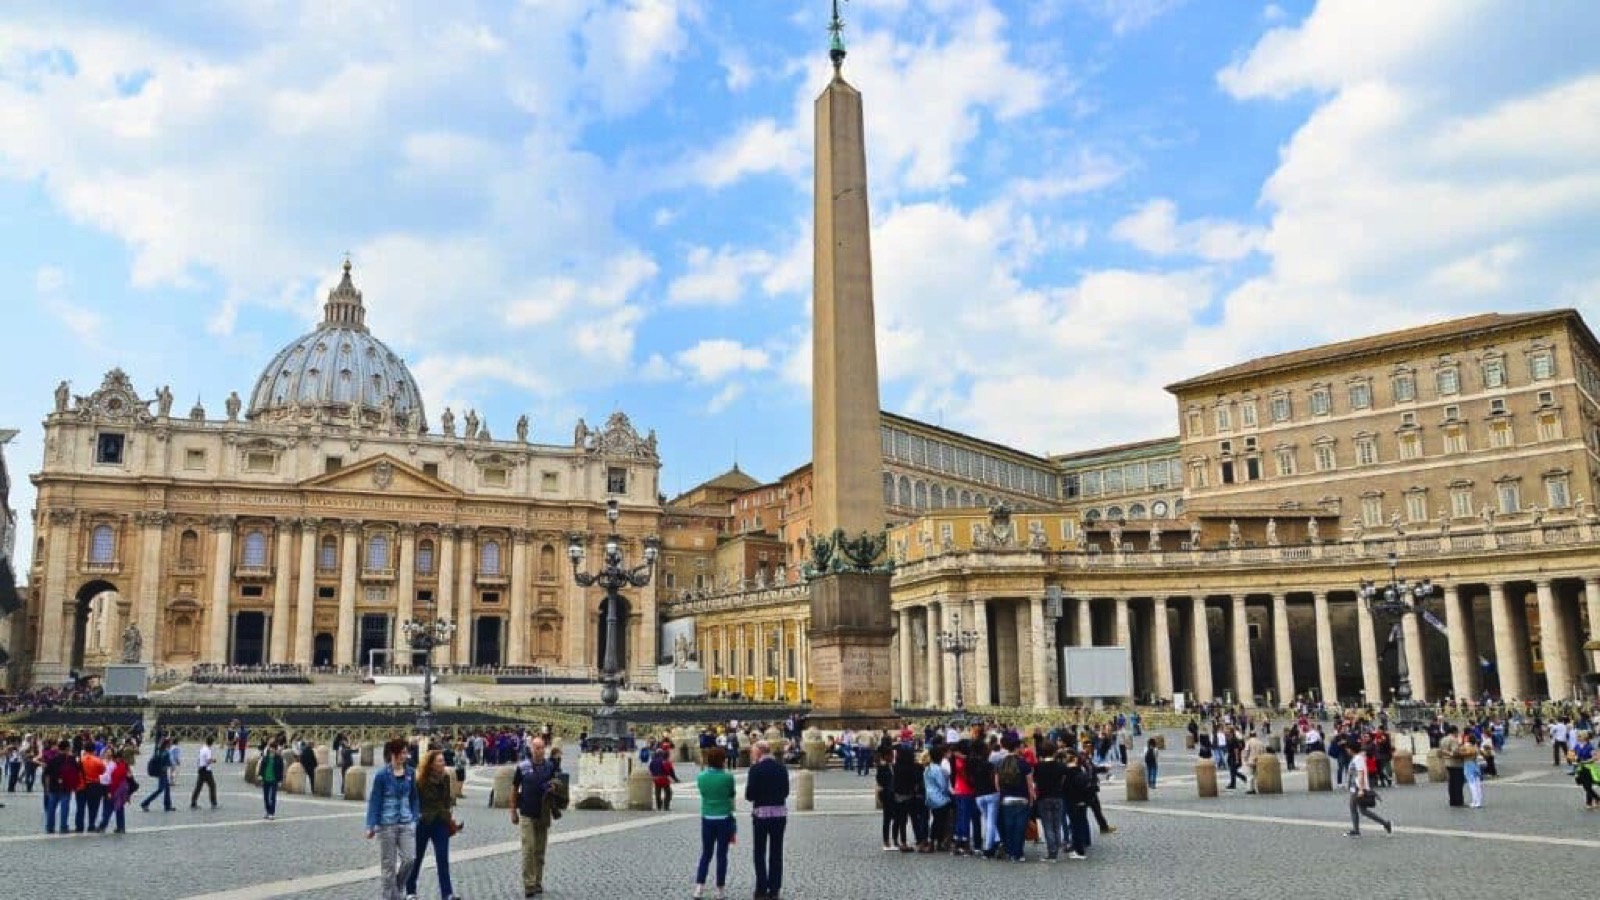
x: 1155, y: 229
x: 724, y: 398
x: 717, y: 277
x: 1478, y: 273
x: 50, y: 284
x: 714, y: 359
x: 1090, y: 172
x: 1126, y: 16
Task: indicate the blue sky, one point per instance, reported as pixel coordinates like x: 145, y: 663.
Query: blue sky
x: 562, y: 207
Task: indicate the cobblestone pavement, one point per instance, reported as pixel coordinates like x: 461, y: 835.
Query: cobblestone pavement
x: 1175, y: 845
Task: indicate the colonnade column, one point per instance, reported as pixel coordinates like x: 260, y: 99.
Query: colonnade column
x: 1553, y: 643
x: 904, y: 637
x: 149, y: 598
x: 1371, y: 677
x: 53, y: 617
x: 221, y: 582
x: 1243, y: 670
x: 935, y: 684
x: 469, y: 571
x: 405, y: 609
x: 1327, y: 674
x: 1462, y: 665
x: 953, y: 622
x: 344, y: 649
x: 444, y: 606
x: 1200, y: 635
x: 1163, y: 647
x: 1085, y: 622
x: 305, y: 592
x: 981, y: 696
x: 281, y: 575
x: 1282, y: 650
x: 803, y: 657
x: 1041, y: 644
x: 1507, y: 656
x: 1125, y: 640
x: 517, y: 646
x: 1416, y: 660
x: 1591, y: 599
x: 783, y: 662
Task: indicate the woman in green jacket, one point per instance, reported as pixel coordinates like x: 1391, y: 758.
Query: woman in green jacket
x: 716, y: 819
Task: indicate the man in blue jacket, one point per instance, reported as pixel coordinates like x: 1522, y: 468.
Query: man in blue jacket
x: 767, y: 790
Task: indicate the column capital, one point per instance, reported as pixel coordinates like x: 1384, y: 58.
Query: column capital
x: 284, y: 523
x: 221, y: 523
x: 153, y: 518
x: 467, y: 532
x: 448, y: 532
x: 62, y: 515
x: 408, y: 529
x: 521, y: 536
x: 350, y: 526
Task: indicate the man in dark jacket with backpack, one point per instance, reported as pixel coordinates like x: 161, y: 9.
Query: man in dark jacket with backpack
x: 158, y: 768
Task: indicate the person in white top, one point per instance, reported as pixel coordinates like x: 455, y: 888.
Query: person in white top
x: 1360, y: 787
x: 1314, y: 740
x: 203, y: 763
x: 1559, y: 733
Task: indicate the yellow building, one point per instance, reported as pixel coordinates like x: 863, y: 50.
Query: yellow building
x: 307, y: 522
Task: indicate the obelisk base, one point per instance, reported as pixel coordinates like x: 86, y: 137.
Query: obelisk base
x: 850, y: 637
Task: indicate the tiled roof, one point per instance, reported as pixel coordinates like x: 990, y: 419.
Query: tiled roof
x: 1422, y: 334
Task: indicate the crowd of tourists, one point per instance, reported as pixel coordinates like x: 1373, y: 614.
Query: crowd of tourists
x: 38, y: 699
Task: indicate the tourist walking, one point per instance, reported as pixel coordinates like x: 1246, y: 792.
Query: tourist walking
x: 60, y: 781
x: 1152, y: 762
x: 159, y: 768
x: 766, y: 789
x: 119, y: 784
x: 1455, y: 775
x: 662, y: 776
x: 91, y: 790
x: 270, y: 772
x: 531, y: 811
x: 716, y: 820
x: 435, y: 822
x: 392, y: 810
x: 1077, y: 793
x: 937, y: 795
x: 1047, y: 784
x: 1471, y: 771
x: 1362, y: 796
x: 203, y: 776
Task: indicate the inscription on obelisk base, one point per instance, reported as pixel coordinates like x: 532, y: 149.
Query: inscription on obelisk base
x: 850, y: 639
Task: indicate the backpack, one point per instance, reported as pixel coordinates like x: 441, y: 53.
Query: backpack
x: 153, y: 767
x: 1010, y: 772
x: 658, y: 767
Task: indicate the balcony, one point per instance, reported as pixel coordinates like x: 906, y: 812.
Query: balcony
x: 246, y: 572
x: 381, y: 575
x: 491, y: 578
x: 111, y: 567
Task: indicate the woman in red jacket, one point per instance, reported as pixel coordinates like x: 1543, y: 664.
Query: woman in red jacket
x: 118, y: 787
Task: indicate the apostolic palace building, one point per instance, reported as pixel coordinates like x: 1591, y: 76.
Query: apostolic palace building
x: 324, y: 508
x: 319, y: 512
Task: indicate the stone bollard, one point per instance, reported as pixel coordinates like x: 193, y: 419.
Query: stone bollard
x: 502, y: 786
x: 1404, y: 771
x: 1269, y: 775
x: 355, y: 783
x: 805, y: 793
x: 294, y: 779
x: 1160, y: 741
x: 1138, y: 789
x: 1205, y: 777
x: 324, y: 756
x: 252, y: 770
x: 816, y: 753
x: 641, y: 796
x: 1319, y: 773
x: 322, y: 782
x: 365, y: 756
x: 1436, y: 768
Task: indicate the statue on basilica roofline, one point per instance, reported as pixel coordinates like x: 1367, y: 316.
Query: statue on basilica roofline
x: 164, y: 401
x: 580, y: 434
x: 447, y: 422
x: 232, y: 405
x: 63, y: 396
x: 1272, y: 532
x: 386, y: 414
x: 472, y: 424
x: 522, y: 428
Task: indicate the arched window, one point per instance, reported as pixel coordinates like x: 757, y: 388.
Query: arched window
x: 888, y: 489
x: 966, y: 498
x: 951, y: 498
x: 254, y: 553
x: 904, y: 492
x: 378, y: 552
x: 922, y: 495
x: 547, y: 561
x: 189, y: 549
x: 328, y: 553
x: 978, y: 500
x: 1136, y: 511
x: 489, y: 558
x: 1091, y: 517
x: 425, y: 557
x: 1114, y: 513
x: 102, y: 544
x: 936, y: 498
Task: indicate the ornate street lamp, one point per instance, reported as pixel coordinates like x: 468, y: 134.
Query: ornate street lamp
x: 610, y: 730
x: 424, y: 636
x: 958, y: 643
x: 1400, y: 598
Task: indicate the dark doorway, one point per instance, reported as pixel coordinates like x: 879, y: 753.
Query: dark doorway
x: 322, y: 650
x: 80, y: 619
x: 622, y: 635
x: 249, y: 638
x: 374, y: 636
x: 486, y: 648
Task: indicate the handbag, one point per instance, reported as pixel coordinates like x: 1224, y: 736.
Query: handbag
x: 1367, y: 799
x: 456, y: 826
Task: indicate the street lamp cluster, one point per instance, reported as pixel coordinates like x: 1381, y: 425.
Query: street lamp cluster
x: 1400, y: 598
x: 423, y: 636
x: 958, y: 642
x: 610, y: 730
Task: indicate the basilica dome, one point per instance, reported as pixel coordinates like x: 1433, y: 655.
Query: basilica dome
x: 339, y: 371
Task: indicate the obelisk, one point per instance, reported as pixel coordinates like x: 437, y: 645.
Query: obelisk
x: 851, y: 628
